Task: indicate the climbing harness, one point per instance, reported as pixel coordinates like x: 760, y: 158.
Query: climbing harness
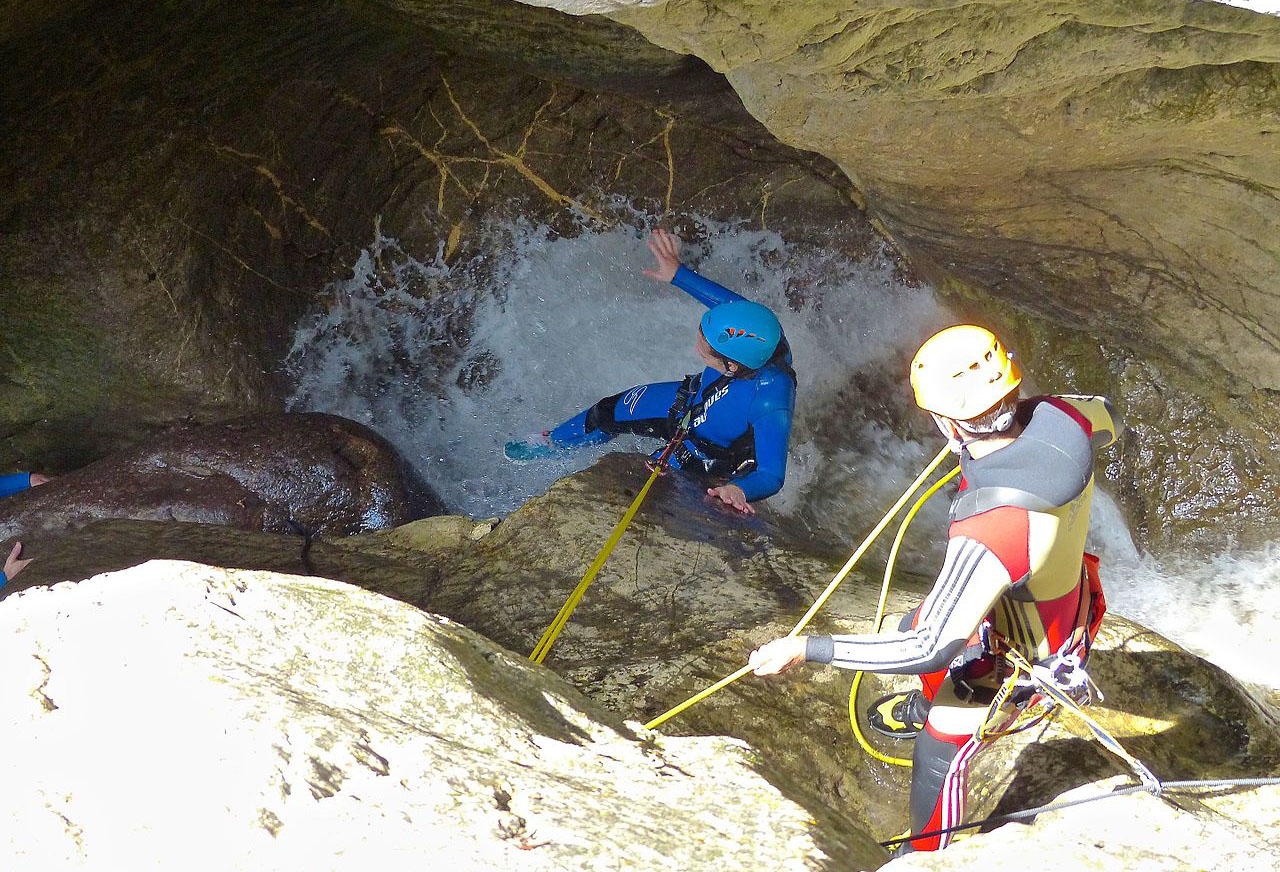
x: 657, y: 466
x: 691, y: 453
x: 822, y: 599
x: 1066, y: 687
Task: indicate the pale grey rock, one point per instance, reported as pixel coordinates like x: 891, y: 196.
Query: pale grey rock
x: 177, y: 716
x: 1108, y: 164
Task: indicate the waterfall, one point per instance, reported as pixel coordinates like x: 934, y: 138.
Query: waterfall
x: 449, y: 360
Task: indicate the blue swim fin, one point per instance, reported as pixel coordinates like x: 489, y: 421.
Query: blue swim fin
x: 535, y: 447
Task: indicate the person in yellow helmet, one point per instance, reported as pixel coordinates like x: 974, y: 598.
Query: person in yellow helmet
x: 1015, y: 575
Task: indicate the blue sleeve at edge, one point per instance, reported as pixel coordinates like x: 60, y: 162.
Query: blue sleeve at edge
x: 13, y: 483
x: 702, y: 289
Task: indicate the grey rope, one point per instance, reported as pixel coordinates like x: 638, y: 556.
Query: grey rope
x: 1156, y: 790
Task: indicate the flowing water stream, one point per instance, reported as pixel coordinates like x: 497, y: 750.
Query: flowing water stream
x: 449, y: 361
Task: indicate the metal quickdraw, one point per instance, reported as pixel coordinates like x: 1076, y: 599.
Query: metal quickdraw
x: 659, y: 464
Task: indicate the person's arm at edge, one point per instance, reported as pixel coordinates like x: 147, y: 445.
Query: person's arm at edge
x: 13, y: 483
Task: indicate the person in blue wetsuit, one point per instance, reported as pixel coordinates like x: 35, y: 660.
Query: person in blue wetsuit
x: 738, y: 409
x: 10, y: 485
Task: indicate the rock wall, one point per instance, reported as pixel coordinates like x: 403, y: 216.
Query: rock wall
x: 184, y: 180
x: 1112, y: 165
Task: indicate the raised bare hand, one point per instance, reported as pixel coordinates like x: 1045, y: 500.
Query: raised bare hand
x: 665, y: 246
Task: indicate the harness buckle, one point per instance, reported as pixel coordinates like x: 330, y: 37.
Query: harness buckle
x: 1066, y: 673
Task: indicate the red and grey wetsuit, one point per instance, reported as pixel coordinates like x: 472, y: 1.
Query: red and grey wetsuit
x: 1015, y: 560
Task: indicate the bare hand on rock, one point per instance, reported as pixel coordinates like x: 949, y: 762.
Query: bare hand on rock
x: 733, y: 496
x: 12, y: 565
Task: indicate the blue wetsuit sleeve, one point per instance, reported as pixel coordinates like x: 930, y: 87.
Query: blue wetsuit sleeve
x: 4, y: 579
x: 702, y: 289
x: 771, y: 425
x: 13, y: 483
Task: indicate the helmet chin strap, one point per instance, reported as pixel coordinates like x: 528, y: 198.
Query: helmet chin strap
x: 1000, y: 425
x: 948, y: 428
x: 959, y: 438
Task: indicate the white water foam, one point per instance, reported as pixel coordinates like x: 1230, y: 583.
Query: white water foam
x: 1220, y: 606
x: 451, y: 361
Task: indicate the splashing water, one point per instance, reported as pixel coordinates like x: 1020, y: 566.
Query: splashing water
x: 450, y: 361
x: 1220, y: 606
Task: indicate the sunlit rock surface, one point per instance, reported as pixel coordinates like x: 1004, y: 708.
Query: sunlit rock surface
x: 1189, y: 832
x: 301, y: 473
x: 687, y: 594
x: 181, y: 716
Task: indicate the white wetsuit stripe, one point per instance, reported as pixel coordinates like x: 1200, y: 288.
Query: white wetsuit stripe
x: 971, y: 581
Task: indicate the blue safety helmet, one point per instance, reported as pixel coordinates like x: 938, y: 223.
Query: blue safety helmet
x: 742, y: 331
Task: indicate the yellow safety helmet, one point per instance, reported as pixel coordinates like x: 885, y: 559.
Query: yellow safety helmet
x: 962, y: 372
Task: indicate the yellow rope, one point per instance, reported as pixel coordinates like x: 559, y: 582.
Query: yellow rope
x: 821, y: 600
x: 880, y: 607
x: 562, y: 617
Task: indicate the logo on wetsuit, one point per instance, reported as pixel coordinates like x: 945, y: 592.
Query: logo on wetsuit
x: 707, y: 403
x: 632, y: 397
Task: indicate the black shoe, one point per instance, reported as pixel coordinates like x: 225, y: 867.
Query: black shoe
x: 899, y: 715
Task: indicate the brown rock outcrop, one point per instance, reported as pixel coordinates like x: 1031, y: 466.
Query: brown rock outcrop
x: 293, y: 473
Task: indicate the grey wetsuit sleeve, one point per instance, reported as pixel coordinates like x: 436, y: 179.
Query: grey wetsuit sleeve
x: 971, y: 580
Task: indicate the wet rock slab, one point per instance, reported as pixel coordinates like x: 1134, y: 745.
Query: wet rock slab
x: 301, y: 473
